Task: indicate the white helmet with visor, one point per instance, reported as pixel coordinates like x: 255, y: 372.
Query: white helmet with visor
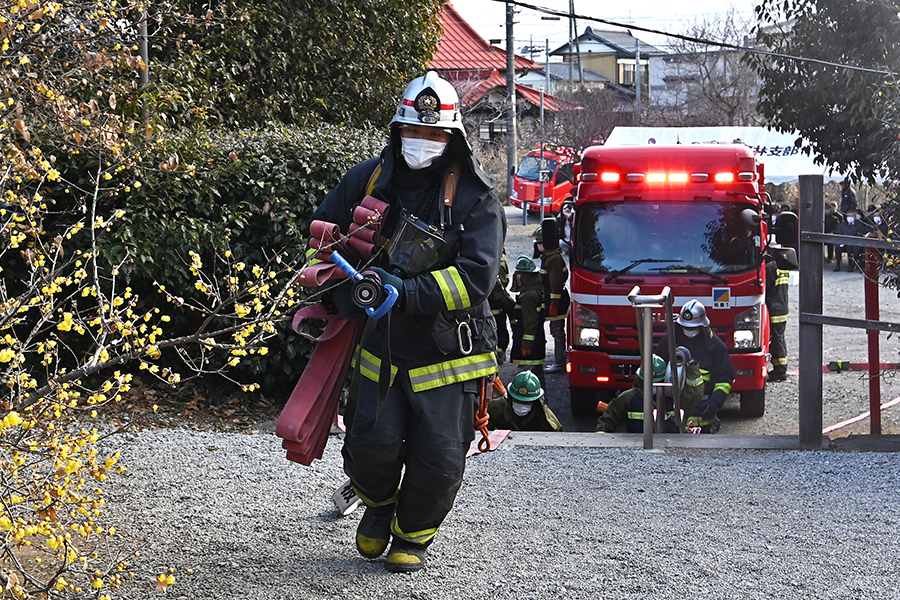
x: 431, y: 101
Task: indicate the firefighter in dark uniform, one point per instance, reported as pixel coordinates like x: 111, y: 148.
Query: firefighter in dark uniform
x: 523, y: 407
x: 628, y: 407
x: 693, y: 332
x: 554, y: 276
x: 528, y: 343
x: 502, y: 307
x: 419, y: 370
x: 777, y: 304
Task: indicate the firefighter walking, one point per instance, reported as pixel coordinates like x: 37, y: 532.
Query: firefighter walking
x: 419, y: 370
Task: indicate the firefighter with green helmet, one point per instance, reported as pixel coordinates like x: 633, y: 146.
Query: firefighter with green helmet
x: 628, y: 407
x: 528, y: 343
x: 523, y: 407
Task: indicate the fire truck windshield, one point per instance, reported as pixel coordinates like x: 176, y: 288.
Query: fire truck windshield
x: 707, y: 237
x: 531, y: 168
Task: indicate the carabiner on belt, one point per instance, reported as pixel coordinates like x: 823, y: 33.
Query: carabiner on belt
x: 464, y: 336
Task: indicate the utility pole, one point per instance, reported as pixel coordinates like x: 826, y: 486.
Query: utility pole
x: 547, y: 64
x: 575, y: 45
x: 637, y: 81
x: 543, y: 173
x: 511, y: 154
x: 571, y: 45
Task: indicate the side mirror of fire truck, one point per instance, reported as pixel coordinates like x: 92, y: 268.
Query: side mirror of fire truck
x: 785, y: 257
x: 751, y: 217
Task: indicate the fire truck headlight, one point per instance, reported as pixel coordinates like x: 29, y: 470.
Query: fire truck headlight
x: 744, y: 339
x: 586, y: 325
x: 515, y: 194
x: 747, y: 328
x: 589, y: 337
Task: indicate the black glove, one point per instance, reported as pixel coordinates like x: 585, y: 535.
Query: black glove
x: 684, y: 354
x: 341, y: 298
x: 706, y: 410
x: 389, y: 279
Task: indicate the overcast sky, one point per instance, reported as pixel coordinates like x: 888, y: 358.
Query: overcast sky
x: 488, y: 18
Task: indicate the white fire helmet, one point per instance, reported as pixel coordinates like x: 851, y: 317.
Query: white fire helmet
x: 431, y: 101
x: 693, y: 314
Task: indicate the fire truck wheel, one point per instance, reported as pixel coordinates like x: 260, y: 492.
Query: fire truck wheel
x: 753, y: 403
x: 584, y: 401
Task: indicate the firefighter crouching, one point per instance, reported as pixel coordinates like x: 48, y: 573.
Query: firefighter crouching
x: 692, y: 331
x: 523, y: 407
x: 419, y: 370
x: 628, y: 407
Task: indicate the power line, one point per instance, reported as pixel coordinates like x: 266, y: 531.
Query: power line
x: 689, y: 38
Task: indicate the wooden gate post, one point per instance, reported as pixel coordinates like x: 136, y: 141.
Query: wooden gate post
x: 812, y: 215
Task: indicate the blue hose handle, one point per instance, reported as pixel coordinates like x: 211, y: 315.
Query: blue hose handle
x: 352, y: 273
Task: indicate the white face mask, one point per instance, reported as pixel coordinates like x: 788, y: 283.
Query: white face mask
x: 691, y: 331
x: 521, y: 409
x: 851, y: 220
x: 877, y: 220
x: 419, y: 153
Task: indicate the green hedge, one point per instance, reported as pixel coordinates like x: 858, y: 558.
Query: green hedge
x: 261, y: 186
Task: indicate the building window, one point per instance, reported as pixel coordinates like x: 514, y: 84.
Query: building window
x: 626, y: 71
x: 491, y: 130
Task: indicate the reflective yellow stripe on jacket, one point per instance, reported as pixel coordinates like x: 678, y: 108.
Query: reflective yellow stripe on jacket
x: 452, y: 371
x: 639, y: 416
x: 725, y: 387
x: 456, y: 297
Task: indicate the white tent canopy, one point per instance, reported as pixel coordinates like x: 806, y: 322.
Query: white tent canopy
x: 783, y: 161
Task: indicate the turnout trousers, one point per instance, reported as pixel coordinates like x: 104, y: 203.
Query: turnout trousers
x: 414, y: 453
x: 778, y: 346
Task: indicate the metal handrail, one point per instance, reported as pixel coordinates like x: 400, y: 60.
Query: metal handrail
x: 644, y: 305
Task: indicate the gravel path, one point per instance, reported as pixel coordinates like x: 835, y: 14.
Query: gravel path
x: 529, y: 523
x: 233, y: 519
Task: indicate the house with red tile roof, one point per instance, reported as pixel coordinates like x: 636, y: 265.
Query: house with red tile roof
x: 478, y: 71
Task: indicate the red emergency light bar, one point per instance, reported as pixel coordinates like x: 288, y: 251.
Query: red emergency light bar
x: 656, y: 177
x: 612, y: 177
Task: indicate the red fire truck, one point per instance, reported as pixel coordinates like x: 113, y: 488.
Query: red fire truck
x: 688, y: 217
x: 558, y: 174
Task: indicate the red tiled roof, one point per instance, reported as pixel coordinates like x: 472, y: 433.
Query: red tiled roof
x: 532, y: 96
x: 462, y: 49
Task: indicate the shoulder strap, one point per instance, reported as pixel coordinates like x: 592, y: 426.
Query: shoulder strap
x: 451, y: 177
x: 370, y: 187
x: 448, y: 190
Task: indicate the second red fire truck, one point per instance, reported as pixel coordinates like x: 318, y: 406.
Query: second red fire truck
x: 558, y: 170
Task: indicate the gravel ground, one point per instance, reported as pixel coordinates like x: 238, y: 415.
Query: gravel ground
x: 529, y: 523
x: 233, y: 519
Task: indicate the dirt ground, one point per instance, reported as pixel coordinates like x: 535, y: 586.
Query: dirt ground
x: 845, y: 393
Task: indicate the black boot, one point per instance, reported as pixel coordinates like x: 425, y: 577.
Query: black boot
x: 374, y: 531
